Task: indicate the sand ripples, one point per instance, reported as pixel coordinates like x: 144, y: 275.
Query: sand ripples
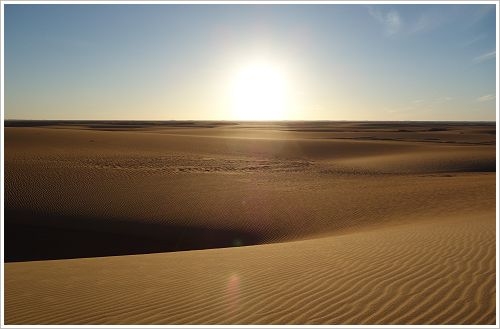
x: 419, y: 274
x: 371, y: 231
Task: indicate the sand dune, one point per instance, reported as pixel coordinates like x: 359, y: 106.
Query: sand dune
x: 421, y: 273
x: 341, y: 223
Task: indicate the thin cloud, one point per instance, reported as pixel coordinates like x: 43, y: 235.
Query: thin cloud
x: 428, y: 21
x: 432, y: 18
x: 390, y: 20
x: 485, y: 57
x: 473, y: 40
x: 485, y: 98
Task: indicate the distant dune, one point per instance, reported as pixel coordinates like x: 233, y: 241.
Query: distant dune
x: 299, y: 222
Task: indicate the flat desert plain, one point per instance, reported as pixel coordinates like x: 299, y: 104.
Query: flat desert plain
x: 250, y: 223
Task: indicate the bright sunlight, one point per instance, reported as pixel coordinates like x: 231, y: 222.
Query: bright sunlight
x: 259, y: 93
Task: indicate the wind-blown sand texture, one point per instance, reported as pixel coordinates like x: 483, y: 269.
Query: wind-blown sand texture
x: 339, y: 223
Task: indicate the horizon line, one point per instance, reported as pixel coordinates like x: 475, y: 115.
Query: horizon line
x: 244, y: 121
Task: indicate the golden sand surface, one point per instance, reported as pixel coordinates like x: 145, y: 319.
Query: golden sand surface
x: 250, y: 223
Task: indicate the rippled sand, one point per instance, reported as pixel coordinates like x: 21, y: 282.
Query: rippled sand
x: 255, y: 223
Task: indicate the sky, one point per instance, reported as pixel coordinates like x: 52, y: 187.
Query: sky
x: 183, y: 62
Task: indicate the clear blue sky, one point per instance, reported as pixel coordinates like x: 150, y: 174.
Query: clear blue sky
x: 340, y: 62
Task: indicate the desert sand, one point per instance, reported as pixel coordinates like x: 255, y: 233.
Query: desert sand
x: 250, y: 223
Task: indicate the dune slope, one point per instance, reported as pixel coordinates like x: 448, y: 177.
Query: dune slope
x: 424, y: 273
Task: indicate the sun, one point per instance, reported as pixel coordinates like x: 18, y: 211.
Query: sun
x: 259, y: 93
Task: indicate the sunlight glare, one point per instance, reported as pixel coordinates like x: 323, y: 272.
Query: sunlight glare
x: 258, y: 93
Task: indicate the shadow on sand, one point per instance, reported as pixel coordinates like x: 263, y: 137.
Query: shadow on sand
x: 27, y: 241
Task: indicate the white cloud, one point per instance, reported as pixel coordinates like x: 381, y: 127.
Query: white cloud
x: 485, y: 98
x: 485, y: 57
x: 390, y: 20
